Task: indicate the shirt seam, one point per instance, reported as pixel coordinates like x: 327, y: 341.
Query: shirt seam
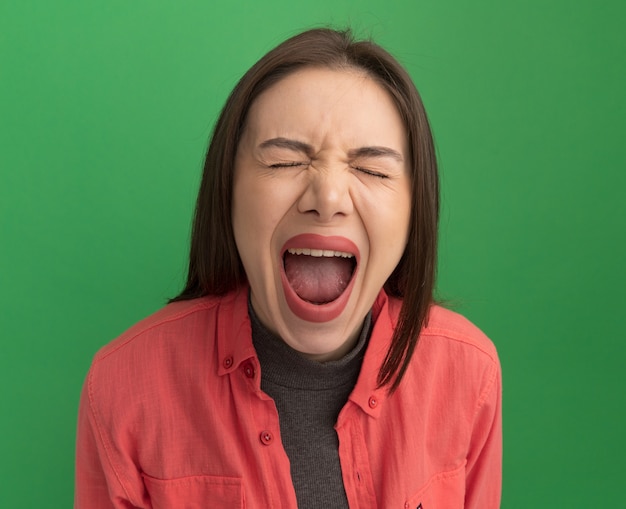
x: 493, y: 368
x: 201, y: 306
x: 446, y: 474
x: 102, y: 440
x: 486, y: 392
x: 460, y: 338
x: 181, y: 314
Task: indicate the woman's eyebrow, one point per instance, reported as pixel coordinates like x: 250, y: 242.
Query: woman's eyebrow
x: 299, y: 146
x: 287, y: 143
x: 375, y: 152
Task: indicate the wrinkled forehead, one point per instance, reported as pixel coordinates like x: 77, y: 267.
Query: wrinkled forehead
x: 314, y: 102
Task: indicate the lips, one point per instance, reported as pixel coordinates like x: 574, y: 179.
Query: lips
x: 318, y: 274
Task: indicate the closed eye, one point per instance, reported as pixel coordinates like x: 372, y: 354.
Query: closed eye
x: 370, y: 172
x: 290, y: 164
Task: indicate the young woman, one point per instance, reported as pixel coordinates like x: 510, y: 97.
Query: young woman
x: 305, y: 363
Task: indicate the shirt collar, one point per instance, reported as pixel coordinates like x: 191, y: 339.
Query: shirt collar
x: 367, y: 395
x: 234, y: 336
x: 234, y: 344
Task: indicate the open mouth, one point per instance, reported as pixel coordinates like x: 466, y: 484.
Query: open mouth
x: 318, y: 276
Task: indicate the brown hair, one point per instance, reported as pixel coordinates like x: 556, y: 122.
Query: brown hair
x: 214, y: 264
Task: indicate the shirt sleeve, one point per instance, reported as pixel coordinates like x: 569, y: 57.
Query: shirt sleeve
x: 96, y: 483
x: 484, y: 462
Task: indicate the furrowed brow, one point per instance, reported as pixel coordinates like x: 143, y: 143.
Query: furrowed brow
x: 376, y: 152
x: 295, y: 145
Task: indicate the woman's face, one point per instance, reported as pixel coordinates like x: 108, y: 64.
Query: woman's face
x: 322, y: 198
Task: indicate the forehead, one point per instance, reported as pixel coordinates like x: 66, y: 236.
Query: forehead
x: 315, y: 103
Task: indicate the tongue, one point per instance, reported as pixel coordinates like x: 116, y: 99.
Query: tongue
x: 318, y: 279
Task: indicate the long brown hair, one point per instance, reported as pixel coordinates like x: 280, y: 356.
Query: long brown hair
x: 214, y: 264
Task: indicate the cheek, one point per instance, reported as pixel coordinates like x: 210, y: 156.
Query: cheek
x: 245, y: 217
x: 387, y: 216
x: 266, y: 202
x: 404, y: 218
x: 402, y: 210
x: 259, y: 206
x: 240, y: 211
x: 249, y: 210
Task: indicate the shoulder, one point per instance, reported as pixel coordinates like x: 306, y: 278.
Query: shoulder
x: 443, y: 330
x: 163, y: 324
x: 165, y: 354
x: 445, y: 326
x: 454, y: 359
x: 152, y: 343
x: 182, y: 333
x: 453, y: 373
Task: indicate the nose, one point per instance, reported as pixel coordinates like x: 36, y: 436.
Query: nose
x: 327, y: 195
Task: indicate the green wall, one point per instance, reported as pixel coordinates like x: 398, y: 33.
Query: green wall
x: 105, y: 109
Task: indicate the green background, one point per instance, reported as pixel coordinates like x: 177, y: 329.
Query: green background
x: 105, y: 112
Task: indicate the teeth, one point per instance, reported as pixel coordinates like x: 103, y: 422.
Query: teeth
x: 329, y: 253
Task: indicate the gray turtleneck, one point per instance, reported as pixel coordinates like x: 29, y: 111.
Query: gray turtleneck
x: 309, y: 396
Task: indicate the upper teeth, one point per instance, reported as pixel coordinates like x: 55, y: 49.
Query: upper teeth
x: 318, y: 252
